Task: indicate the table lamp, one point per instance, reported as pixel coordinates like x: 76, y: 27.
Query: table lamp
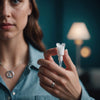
x: 78, y: 32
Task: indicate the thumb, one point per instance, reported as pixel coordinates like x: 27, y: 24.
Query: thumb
x: 67, y: 61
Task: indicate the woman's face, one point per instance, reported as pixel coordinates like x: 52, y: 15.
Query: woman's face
x: 13, y: 17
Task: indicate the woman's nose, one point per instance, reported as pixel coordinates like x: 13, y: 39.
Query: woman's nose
x: 5, y: 9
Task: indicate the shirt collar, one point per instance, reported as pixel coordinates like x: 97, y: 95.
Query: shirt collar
x: 34, y: 56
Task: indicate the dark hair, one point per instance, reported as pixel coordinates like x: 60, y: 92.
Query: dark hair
x: 32, y: 31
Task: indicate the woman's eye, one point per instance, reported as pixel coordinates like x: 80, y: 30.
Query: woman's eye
x: 15, y: 1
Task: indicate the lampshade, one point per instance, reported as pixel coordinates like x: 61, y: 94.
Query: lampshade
x: 78, y: 31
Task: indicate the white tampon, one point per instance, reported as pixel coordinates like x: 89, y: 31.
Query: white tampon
x: 60, y: 52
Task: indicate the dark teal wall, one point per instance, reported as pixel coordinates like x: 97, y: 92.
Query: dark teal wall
x: 56, y: 18
x: 50, y: 21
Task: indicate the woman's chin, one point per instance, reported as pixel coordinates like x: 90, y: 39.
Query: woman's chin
x: 6, y: 37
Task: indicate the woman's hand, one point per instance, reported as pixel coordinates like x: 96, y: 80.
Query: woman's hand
x: 60, y: 82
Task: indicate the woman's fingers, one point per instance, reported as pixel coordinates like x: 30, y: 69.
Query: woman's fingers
x: 49, y: 53
x: 47, y: 77
x: 66, y: 81
x: 45, y: 80
x: 68, y: 62
x: 52, y: 67
x: 67, y: 85
x: 48, y: 74
x: 52, y: 87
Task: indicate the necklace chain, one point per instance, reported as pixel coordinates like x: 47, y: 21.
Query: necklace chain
x: 10, y: 73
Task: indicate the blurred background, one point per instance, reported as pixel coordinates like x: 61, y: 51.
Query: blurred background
x: 56, y: 19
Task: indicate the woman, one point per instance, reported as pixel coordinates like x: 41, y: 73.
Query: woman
x: 20, y: 49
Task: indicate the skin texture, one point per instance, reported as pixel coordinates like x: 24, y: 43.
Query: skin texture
x: 16, y: 13
x: 13, y: 48
x: 67, y: 86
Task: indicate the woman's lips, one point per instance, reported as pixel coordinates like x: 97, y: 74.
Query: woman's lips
x: 6, y: 26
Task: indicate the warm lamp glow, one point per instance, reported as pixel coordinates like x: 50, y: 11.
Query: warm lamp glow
x: 78, y: 42
x: 85, y: 52
x: 78, y: 31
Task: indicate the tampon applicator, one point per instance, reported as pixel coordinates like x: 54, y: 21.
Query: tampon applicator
x: 60, y: 52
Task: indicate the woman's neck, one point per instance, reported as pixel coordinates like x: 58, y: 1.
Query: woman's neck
x: 13, y: 51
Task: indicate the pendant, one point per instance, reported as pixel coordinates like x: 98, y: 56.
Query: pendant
x: 10, y: 74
